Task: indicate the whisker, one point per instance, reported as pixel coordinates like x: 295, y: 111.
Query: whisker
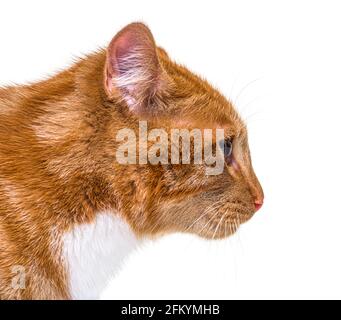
x: 242, y: 108
x: 251, y: 116
x: 209, y: 221
x: 232, y: 89
x: 244, y: 88
x: 205, y: 213
x: 216, y: 229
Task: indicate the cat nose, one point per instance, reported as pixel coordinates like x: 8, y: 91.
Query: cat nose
x: 258, y: 197
x: 258, y: 204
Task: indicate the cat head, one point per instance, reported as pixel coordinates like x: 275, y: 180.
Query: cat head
x: 145, y: 89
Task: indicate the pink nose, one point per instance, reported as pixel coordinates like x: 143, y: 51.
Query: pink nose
x: 258, y: 204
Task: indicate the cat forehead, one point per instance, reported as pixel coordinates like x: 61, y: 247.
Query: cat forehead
x: 197, y: 98
x: 230, y: 128
x: 209, y: 115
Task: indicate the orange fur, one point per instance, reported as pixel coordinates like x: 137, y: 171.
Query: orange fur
x: 58, y: 166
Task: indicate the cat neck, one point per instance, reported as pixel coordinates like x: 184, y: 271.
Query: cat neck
x: 94, y: 252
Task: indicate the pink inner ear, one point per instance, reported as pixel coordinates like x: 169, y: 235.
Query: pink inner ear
x: 134, y: 38
x: 120, y: 49
x: 124, y: 44
x: 132, y: 65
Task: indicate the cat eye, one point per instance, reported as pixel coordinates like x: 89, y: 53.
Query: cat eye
x: 226, y: 145
x: 227, y: 148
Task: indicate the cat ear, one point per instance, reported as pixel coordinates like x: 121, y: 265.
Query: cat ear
x: 132, y: 66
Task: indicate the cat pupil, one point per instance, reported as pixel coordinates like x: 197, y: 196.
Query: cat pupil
x: 227, y: 148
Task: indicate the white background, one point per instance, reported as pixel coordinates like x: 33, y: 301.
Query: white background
x: 280, y: 63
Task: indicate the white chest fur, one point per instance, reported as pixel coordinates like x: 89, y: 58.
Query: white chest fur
x: 94, y: 252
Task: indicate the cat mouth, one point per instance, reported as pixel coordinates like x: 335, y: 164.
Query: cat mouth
x: 220, y: 226
x: 223, y: 230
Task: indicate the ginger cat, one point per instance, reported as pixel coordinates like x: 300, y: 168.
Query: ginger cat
x: 69, y: 210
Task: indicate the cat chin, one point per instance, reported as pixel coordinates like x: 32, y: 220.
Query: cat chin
x: 223, y: 228
x: 218, y: 236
